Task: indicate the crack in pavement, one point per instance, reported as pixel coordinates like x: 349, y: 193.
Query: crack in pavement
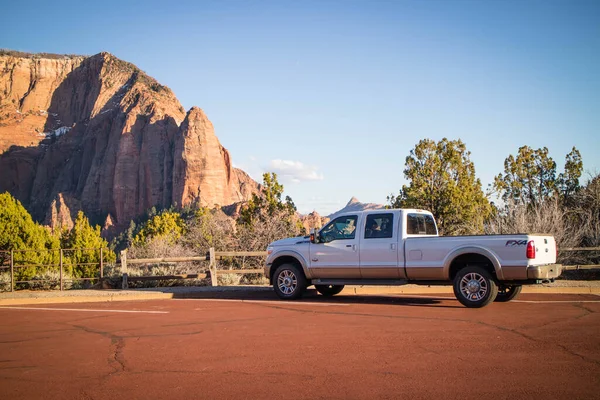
x: 21, y: 367
x: 119, y: 344
x: 586, y: 308
x: 25, y: 340
x: 545, y: 324
x: 42, y: 331
x: 116, y: 359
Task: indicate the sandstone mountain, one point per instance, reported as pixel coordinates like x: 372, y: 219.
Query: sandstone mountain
x: 355, y: 205
x: 313, y: 221
x: 99, y: 135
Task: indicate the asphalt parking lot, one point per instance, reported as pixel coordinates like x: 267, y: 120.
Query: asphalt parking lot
x: 252, y: 346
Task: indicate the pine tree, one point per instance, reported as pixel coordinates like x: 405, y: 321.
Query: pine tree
x: 167, y: 224
x: 83, y: 243
x: 442, y: 180
x: 18, y: 231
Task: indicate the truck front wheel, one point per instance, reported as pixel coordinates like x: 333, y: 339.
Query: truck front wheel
x: 289, y: 282
x: 474, y: 287
x: 329, y: 290
x: 508, y: 293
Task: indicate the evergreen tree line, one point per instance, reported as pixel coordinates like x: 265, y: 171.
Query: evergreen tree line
x: 36, y: 248
x: 528, y: 196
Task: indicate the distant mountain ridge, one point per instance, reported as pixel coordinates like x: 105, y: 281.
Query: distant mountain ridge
x: 97, y: 134
x: 355, y: 205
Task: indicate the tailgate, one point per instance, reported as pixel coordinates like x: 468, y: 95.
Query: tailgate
x: 545, y: 250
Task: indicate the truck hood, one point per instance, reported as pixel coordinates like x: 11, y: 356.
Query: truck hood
x: 290, y: 241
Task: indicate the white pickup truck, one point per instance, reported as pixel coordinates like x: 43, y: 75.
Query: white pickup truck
x: 402, y: 246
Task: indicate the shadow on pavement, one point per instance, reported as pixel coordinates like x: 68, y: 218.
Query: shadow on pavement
x: 311, y: 296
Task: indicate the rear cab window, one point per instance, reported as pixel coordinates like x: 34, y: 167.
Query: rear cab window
x: 379, y: 226
x: 420, y: 224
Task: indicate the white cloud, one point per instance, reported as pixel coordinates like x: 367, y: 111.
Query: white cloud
x: 294, y: 171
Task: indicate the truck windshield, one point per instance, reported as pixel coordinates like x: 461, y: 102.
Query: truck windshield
x: 420, y: 224
x: 339, y: 229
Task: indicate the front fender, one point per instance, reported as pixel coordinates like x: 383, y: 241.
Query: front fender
x: 473, y: 250
x: 287, y: 253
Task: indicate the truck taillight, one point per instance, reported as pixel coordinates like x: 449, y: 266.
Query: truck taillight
x: 531, y: 249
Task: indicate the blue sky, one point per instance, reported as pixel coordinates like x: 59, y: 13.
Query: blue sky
x: 333, y: 95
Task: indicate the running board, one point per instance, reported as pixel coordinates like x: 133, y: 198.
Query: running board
x: 359, y: 282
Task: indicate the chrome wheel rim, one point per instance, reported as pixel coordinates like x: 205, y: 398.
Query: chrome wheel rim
x: 473, y: 286
x: 287, y: 282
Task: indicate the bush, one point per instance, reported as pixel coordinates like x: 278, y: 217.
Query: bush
x: 229, y: 279
x: 4, y: 281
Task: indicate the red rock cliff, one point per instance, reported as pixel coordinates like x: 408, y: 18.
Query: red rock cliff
x: 99, y: 135
x: 202, y: 171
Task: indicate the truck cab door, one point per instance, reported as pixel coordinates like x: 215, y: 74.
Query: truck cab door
x: 379, y: 247
x: 336, y: 254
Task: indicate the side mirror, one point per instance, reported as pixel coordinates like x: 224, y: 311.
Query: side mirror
x: 314, y: 236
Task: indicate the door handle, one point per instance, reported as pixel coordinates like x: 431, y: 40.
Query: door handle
x: 393, y: 246
x: 348, y: 245
x: 315, y: 259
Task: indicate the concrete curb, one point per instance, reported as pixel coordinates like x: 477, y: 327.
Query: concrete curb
x: 84, y: 299
x: 90, y: 296
x: 109, y: 295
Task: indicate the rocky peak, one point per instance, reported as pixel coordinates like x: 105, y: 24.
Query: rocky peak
x: 355, y: 205
x: 62, y: 212
x: 202, y: 171
x: 353, y: 200
x: 98, y: 133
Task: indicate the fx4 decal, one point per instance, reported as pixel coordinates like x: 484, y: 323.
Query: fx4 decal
x: 512, y: 243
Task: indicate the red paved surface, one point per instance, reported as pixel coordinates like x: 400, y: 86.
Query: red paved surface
x: 342, y: 348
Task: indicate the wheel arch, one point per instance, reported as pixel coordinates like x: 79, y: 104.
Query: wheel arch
x: 460, y: 257
x: 290, y: 257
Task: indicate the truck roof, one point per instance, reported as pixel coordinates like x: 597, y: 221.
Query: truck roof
x: 406, y: 210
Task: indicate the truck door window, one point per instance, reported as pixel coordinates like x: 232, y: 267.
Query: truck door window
x: 339, y: 229
x: 420, y: 224
x: 379, y: 226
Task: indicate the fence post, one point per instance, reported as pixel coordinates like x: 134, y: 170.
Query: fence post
x: 101, y: 265
x: 12, y: 271
x: 124, y: 269
x: 61, y: 269
x: 213, y: 267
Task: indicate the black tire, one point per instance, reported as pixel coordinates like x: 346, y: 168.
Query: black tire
x: 329, y: 290
x: 508, y: 293
x: 475, y: 287
x: 289, y: 282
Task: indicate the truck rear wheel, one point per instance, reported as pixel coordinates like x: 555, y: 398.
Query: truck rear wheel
x: 508, y: 293
x: 289, y: 282
x: 474, y: 287
x: 329, y: 290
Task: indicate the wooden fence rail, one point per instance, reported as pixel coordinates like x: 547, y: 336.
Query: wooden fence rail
x: 211, y: 257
